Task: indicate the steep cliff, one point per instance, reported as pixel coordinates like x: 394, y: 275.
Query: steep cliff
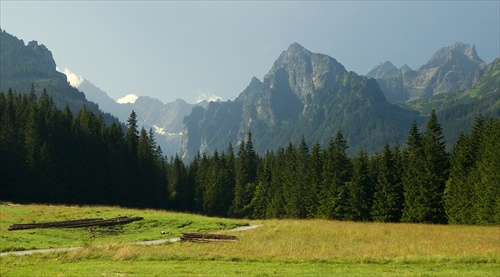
x: 304, y: 94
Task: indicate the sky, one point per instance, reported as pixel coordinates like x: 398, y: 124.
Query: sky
x: 195, y: 50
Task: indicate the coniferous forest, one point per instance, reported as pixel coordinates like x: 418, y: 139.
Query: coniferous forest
x: 48, y: 155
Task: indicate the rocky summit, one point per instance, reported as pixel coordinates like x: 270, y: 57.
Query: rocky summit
x: 450, y: 69
x: 306, y: 95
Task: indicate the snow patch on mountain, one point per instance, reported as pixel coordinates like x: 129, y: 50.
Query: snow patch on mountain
x: 73, y: 79
x: 208, y: 96
x: 129, y: 98
x: 159, y: 130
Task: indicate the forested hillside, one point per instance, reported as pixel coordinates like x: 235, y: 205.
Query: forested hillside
x: 48, y: 155
x: 52, y: 156
x: 459, y: 109
x: 23, y: 66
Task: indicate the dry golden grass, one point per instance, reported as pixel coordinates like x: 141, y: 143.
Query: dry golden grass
x: 321, y: 240
x: 325, y: 240
x: 278, y: 247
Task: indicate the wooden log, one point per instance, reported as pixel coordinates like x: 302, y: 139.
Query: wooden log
x: 201, y: 237
x: 79, y: 223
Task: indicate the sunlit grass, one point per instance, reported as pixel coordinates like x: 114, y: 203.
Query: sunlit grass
x: 277, y: 247
x: 333, y: 240
x: 148, y: 229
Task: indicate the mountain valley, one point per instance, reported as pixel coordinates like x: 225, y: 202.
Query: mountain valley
x: 304, y: 95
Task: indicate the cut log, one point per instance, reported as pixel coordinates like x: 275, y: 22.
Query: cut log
x: 76, y: 223
x: 200, y: 237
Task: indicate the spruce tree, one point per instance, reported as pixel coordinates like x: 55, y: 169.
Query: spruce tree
x: 425, y: 173
x: 260, y: 200
x: 458, y: 194
x: 212, y: 182
x: 144, y: 151
x: 387, y: 198
x: 413, y: 177
x: 486, y: 176
x: 179, y: 197
x: 191, y: 184
x: 292, y: 187
x: 245, y: 176
x: 132, y: 133
x: 315, y: 178
x: 337, y: 171
x: 229, y: 183
x: 276, y: 202
x: 359, y: 189
x: 241, y: 175
x: 436, y: 169
x: 303, y: 179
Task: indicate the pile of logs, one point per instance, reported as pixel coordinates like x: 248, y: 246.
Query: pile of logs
x: 199, y: 237
x: 91, y: 222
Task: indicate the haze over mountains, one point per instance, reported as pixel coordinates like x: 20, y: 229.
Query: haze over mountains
x: 304, y: 94
x: 164, y: 119
x: 26, y: 66
x: 450, y: 69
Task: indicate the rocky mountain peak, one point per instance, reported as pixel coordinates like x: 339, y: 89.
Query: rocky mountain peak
x: 304, y: 94
x: 450, y: 69
x: 458, y: 52
x: 295, y: 53
x: 405, y: 68
x: 382, y: 70
x: 303, y: 71
x: 296, y: 47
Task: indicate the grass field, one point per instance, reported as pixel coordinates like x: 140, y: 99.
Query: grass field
x: 277, y: 248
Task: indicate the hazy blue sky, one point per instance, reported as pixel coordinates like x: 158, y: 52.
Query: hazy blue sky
x: 170, y: 49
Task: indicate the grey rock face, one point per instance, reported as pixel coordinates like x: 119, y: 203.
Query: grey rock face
x: 164, y: 119
x: 450, y: 69
x: 304, y: 94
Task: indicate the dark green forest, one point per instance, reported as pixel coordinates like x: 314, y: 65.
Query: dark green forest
x: 49, y: 155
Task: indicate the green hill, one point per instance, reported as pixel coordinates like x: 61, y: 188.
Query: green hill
x: 23, y: 66
x: 457, y: 111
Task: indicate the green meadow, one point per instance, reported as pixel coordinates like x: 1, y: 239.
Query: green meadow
x: 276, y: 248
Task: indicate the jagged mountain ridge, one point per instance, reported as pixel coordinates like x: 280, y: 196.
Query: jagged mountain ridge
x: 457, y: 111
x: 293, y: 99
x: 164, y: 119
x: 22, y: 66
x: 304, y: 94
x: 450, y: 69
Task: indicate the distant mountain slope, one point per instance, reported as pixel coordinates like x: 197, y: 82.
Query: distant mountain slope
x: 304, y: 94
x: 23, y: 65
x: 164, y: 119
x: 457, y: 111
x: 450, y: 69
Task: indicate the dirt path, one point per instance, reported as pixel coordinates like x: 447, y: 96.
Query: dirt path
x: 149, y: 242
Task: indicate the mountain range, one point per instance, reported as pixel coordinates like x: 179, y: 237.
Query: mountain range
x: 164, y: 119
x: 311, y: 95
x: 304, y: 95
x: 450, y: 69
x: 31, y: 65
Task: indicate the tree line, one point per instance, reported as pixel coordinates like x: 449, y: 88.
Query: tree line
x: 52, y: 156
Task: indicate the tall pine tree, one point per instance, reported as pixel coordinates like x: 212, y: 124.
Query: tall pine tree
x: 413, y: 177
x: 337, y: 170
x: 360, y: 189
x: 388, y: 195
